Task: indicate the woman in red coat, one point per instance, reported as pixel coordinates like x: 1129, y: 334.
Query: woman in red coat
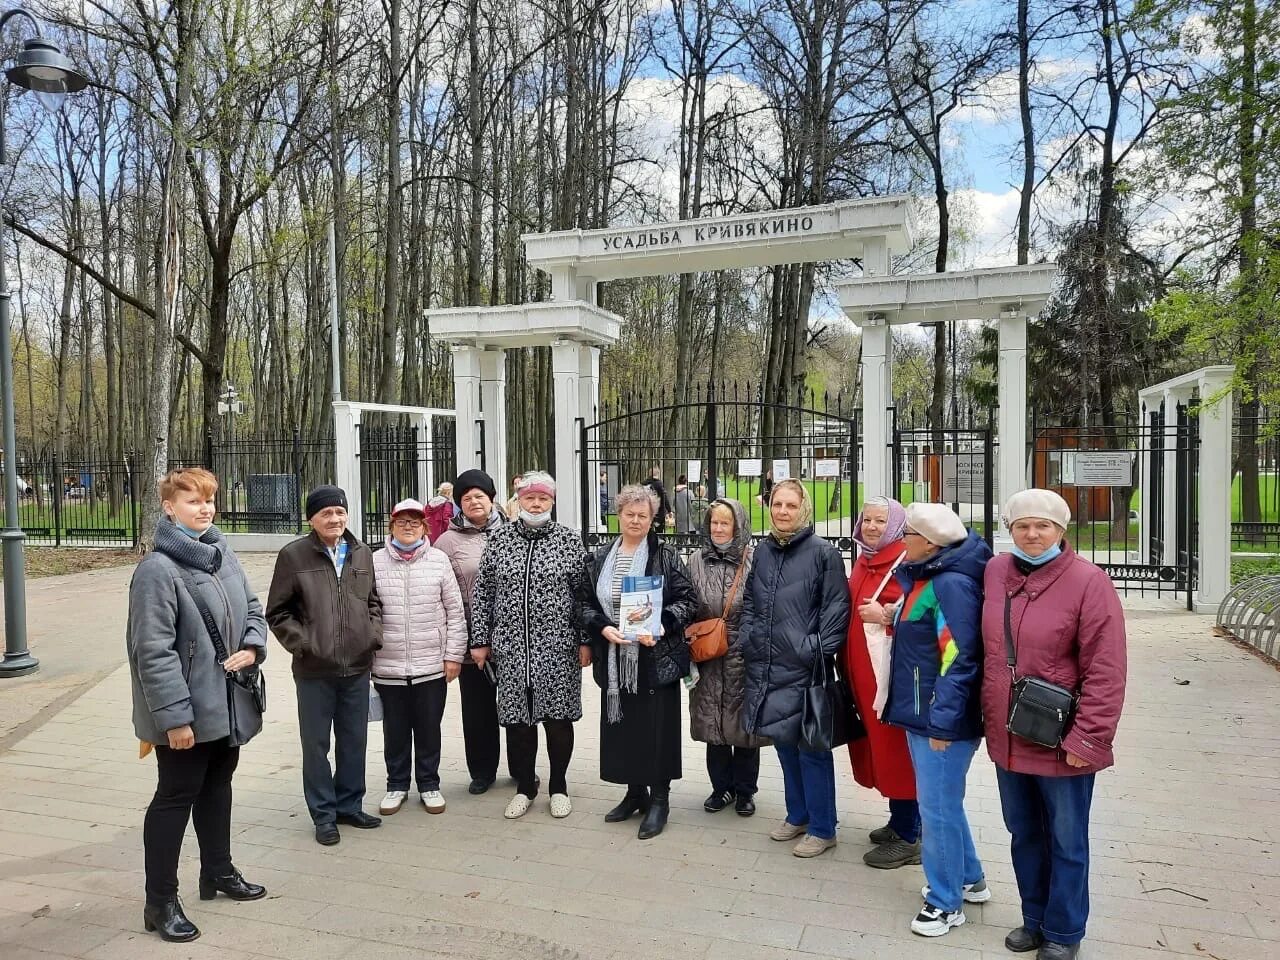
x: 880, y: 759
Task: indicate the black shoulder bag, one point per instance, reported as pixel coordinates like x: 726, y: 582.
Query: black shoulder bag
x: 246, y: 689
x: 828, y: 717
x: 1039, y: 711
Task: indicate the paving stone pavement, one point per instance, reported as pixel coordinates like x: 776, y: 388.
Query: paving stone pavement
x: 1185, y: 838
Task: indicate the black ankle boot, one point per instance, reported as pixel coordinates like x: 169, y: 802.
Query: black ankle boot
x: 233, y: 885
x: 169, y: 921
x: 636, y: 801
x: 656, y: 818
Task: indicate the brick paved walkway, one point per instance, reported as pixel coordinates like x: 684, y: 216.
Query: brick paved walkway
x: 1185, y: 838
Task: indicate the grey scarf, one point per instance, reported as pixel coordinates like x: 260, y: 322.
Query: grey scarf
x: 203, y: 554
x: 624, y: 659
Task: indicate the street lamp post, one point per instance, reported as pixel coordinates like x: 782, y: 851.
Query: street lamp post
x: 41, y: 68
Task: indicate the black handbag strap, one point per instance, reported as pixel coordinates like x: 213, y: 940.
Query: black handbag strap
x: 1011, y: 655
x: 211, y: 625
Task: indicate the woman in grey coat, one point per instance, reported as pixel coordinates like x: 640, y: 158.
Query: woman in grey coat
x: 715, y: 702
x: 180, y: 695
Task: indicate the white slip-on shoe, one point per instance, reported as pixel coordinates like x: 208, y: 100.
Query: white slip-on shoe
x: 561, y: 806
x: 433, y: 800
x: 392, y: 802
x: 518, y: 807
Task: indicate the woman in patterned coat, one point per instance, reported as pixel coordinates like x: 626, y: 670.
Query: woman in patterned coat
x: 524, y: 620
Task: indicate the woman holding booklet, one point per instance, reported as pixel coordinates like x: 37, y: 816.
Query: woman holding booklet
x: 636, y: 600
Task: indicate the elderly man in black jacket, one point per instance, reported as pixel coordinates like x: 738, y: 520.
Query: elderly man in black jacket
x: 795, y: 611
x: 323, y: 607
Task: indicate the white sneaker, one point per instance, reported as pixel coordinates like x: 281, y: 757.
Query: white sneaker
x: 933, y: 921
x: 433, y: 800
x: 392, y: 802
x: 561, y: 806
x: 973, y: 892
x: 518, y: 807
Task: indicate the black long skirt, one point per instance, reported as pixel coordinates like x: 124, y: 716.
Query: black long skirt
x: 644, y: 746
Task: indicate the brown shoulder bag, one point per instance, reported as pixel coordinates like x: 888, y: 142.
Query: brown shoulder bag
x: 709, y: 639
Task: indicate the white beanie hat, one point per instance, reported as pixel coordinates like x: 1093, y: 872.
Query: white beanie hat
x: 1037, y: 503
x: 936, y: 523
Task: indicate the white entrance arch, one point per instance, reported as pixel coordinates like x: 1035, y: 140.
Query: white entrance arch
x: 873, y: 230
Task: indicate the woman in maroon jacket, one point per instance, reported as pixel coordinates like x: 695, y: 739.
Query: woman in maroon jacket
x: 1067, y: 627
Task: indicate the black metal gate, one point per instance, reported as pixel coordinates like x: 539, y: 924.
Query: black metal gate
x: 951, y: 465
x: 723, y: 441
x: 398, y: 461
x: 1104, y: 473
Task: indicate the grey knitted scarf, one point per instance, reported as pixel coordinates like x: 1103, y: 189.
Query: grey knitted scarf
x: 624, y: 659
x: 203, y: 554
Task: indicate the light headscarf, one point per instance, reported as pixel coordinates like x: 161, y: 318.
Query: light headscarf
x: 893, y: 529
x: 804, y: 520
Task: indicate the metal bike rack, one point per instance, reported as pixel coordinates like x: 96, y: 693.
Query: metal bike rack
x: 1251, y: 612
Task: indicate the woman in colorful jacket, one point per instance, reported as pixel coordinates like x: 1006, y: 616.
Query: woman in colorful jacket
x: 1066, y: 626
x: 424, y: 638
x: 934, y: 690
x: 880, y: 760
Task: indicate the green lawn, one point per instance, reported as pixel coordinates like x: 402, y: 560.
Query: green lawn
x: 1269, y: 494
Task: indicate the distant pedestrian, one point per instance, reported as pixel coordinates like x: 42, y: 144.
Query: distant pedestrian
x: 683, y: 503
x: 424, y: 638
x: 664, y: 516
x: 180, y: 704
x: 324, y: 609
x: 1061, y: 617
x: 439, y: 511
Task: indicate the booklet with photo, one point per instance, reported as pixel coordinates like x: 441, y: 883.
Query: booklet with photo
x: 640, y: 609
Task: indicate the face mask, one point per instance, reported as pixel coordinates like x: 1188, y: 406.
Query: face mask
x: 406, y: 547
x: 1044, y: 558
x: 193, y: 534
x: 534, y: 519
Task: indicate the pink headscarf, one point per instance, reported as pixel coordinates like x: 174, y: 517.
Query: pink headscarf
x: 892, y: 531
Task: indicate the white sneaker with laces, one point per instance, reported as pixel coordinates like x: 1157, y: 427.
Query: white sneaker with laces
x: 973, y: 892
x: 933, y: 921
x: 433, y: 800
x: 392, y: 802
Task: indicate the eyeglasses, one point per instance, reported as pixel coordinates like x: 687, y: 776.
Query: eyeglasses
x: 407, y: 522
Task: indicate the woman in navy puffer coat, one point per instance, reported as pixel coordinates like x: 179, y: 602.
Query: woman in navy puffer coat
x: 795, y: 610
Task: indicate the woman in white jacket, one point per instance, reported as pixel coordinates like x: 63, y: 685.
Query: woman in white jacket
x: 424, y: 639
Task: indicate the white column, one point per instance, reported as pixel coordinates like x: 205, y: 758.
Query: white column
x: 877, y: 397
x: 1144, y: 480
x: 1214, y: 509
x: 466, y: 403
x: 346, y: 474
x: 588, y: 410
x: 1011, y: 472
x: 426, y: 462
x: 565, y: 374
x: 1170, y: 508
x: 493, y: 400
x: 567, y: 284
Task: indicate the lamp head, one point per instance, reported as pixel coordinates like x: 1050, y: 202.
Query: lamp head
x: 42, y: 68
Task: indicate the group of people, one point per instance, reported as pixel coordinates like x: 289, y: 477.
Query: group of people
x: 516, y: 608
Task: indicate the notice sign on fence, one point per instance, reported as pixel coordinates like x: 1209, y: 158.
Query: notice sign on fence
x: 694, y: 471
x: 1103, y: 468
x: 749, y: 467
x: 964, y: 478
x: 826, y: 468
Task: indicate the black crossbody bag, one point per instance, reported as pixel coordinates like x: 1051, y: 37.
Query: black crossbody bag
x: 246, y: 689
x: 1040, y: 711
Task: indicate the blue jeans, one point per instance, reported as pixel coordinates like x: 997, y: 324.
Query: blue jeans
x: 904, y: 819
x: 809, y: 782
x: 1048, y: 820
x: 339, y: 705
x: 949, y: 858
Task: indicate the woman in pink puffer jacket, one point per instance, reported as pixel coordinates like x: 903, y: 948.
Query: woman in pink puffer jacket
x: 424, y: 640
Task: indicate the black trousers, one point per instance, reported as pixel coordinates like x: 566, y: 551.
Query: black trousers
x: 411, y: 715
x: 522, y: 755
x: 192, y: 784
x: 733, y: 770
x: 480, y: 724
x: 339, y: 705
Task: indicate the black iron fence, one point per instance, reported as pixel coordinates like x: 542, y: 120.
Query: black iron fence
x: 399, y: 461
x: 954, y: 465
x: 92, y: 500
x: 1255, y: 486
